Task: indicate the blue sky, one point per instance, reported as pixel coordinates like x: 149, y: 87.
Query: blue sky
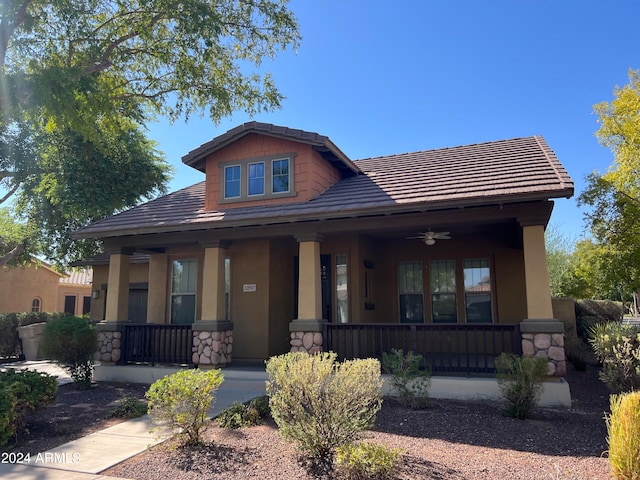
x: 380, y: 78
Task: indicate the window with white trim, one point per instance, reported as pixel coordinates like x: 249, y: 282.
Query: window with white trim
x: 342, y: 292
x: 280, y: 175
x: 255, y: 182
x: 232, y: 181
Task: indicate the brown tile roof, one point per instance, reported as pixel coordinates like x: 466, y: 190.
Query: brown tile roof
x: 504, y: 171
x: 196, y: 158
x: 78, y: 277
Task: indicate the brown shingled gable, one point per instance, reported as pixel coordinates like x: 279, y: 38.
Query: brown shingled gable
x: 517, y: 170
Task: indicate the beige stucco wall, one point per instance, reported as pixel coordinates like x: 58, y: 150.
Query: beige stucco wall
x: 138, y: 273
x: 20, y: 285
x: 250, y: 309
x: 78, y: 291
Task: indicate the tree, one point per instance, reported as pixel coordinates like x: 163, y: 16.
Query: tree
x: 613, y: 258
x: 80, y: 78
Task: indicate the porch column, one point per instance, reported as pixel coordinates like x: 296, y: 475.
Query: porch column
x: 157, y: 296
x: 117, y: 310
x: 306, y: 330
x: 542, y: 335
x: 213, y: 333
x: 536, y: 273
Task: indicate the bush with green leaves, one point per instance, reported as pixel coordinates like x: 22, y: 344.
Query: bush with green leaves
x: 22, y: 392
x: 320, y: 404
x: 367, y: 461
x: 131, y: 407
x: 180, y: 401
x: 9, y: 340
x: 617, y: 346
x: 410, y: 383
x: 520, y: 380
x: 71, y: 342
x: 623, y: 427
x: 244, y: 414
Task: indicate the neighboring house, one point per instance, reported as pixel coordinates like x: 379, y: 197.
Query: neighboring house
x: 290, y: 245
x: 37, y: 287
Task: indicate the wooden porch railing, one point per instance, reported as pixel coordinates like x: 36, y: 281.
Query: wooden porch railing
x: 446, y: 348
x: 153, y: 343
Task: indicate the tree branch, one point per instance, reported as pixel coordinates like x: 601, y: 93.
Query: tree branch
x: 13, y: 253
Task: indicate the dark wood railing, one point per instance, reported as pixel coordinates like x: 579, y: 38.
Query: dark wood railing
x: 145, y: 343
x: 446, y: 348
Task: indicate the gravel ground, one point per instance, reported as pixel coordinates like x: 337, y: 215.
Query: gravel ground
x: 449, y: 440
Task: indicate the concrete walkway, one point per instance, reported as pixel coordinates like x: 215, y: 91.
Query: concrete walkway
x: 85, y: 458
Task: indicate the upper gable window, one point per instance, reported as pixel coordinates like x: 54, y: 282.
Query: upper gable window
x: 255, y: 185
x: 257, y: 178
x: 232, y: 181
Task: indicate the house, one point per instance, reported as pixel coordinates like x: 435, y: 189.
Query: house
x: 289, y: 244
x: 37, y: 287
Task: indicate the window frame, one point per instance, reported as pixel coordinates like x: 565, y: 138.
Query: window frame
x: 268, y: 193
x: 414, y: 292
x: 249, y: 178
x: 273, y: 175
x: 36, y: 305
x: 191, y: 293
x: 448, y: 293
x: 224, y: 181
x: 488, y: 293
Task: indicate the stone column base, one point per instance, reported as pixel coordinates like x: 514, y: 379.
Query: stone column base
x: 212, y: 343
x: 306, y: 336
x: 109, y: 342
x: 545, y: 339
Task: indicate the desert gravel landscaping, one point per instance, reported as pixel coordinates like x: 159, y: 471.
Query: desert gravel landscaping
x: 449, y: 440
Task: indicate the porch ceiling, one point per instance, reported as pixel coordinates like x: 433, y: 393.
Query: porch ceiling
x: 458, y: 221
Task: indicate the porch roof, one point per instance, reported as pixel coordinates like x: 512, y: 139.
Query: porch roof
x: 492, y: 173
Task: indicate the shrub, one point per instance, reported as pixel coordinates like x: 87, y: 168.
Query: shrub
x: 617, y: 346
x: 623, y: 426
x: 7, y: 416
x: 130, y: 408
x: 591, y: 312
x: 23, y: 391
x: 520, y: 381
x: 181, y: 401
x: 367, y: 461
x: 578, y: 352
x: 320, y: 404
x: 71, y: 342
x: 9, y: 340
x: 409, y: 382
x: 244, y: 414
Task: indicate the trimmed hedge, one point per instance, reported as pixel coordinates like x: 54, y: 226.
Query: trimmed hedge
x: 9, y: 322
x: 592, y: 312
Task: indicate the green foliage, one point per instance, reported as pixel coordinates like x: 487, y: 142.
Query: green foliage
x: 617, y: 346
x: 181, y: 401
x: 131, y: 407
x: 7, y: 416
x: 320, y: 404
x: 22, y: 392
x: 578, y: 352
x: 71, y: 342
x: 623, y: 427
x: 245, y: 414
x: 520, y: 381
x: 367, y: 461
x: 409, y: 382
x: 81, y: 79
x: 613, y: 198
x: 9, y: 323
x: 9, y: 340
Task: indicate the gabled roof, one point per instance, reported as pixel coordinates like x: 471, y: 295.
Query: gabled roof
x: 517, y: 170
x: 329, y: 151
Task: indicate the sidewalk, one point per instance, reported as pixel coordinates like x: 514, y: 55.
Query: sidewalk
x: 84, y: 458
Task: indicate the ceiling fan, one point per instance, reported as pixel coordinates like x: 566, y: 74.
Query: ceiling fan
x: 429, y: 237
